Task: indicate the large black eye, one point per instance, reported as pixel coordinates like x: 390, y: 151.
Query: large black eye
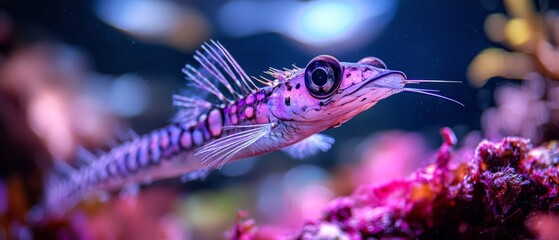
x: 373, y: 61
x: 323, y: 76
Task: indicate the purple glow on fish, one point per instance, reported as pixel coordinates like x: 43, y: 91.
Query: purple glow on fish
x: 154, y: 141
x: 204, y: 132
x: 143, y: 154
x: 234, y: 119
x: 165, y: 141
x: 154, y: 150
x: 249, y: 112
x: 197, y: 137
x: 186, y: 140
x: 102, y: 174
x: 249, y: 99
x: 175, y: 133
x: 215, y: 122
x: 122, y: 167
x: 260, y: 96
x: 239, y: 119
x: 202, y: 118
x: 112, y: 167
x: 131, y: 158
x: 173, y: 137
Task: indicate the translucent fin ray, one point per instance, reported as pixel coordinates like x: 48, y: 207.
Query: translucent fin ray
x: 220, y: 151
x: 203, y: 82
x: 310, y: 146
x: 217, y: 57
x: 241, y: 73
x: 282, y: 75
x: 219, y: 75
x: 199, y: 174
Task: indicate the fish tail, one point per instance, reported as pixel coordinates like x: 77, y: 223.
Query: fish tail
x: 134, y: 161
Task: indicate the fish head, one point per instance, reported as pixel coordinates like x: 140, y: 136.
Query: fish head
x: 327, y: 92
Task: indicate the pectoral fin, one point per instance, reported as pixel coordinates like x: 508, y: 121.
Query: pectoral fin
x: 219, y: 151
x: 310, y: 146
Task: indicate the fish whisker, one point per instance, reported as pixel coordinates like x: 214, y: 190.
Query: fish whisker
x: 417, y: 81
x: 430, y: 93
x: 422, y: 89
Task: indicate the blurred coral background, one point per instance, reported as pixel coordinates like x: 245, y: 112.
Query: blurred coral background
x: 75, y: 75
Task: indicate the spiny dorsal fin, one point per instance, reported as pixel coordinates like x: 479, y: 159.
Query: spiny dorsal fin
x: 219, y: 75
x: 282, y: 75
x: 190, y: 107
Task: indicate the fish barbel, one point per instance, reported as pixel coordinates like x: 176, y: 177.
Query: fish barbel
x: 240, y: 117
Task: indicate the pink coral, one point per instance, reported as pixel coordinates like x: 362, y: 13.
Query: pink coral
x: 489, y: 196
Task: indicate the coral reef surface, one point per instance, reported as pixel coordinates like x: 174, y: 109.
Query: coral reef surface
x: 508, y: 190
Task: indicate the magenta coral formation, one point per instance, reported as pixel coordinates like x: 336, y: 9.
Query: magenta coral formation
x: 492, y: 195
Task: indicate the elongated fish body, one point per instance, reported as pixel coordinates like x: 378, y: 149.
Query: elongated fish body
x: 238, y: 120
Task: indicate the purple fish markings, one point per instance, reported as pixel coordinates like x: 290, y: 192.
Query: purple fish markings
x: 240, y: 117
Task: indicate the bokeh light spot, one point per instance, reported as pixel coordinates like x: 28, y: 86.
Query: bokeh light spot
x: 487, y: 64
x: 328, y: 20
x: 129, y: 95
x: 518, y: 31
x: 494, y: 27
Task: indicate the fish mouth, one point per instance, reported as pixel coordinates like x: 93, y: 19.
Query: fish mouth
x: 392, y: 80
x: 387, y: 83
x: 368, y: 92
x: 364, y: 95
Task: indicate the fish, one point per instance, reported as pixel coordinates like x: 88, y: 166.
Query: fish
x: 233, y: 116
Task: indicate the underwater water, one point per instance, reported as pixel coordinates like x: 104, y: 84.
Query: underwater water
x: 102, y: 136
